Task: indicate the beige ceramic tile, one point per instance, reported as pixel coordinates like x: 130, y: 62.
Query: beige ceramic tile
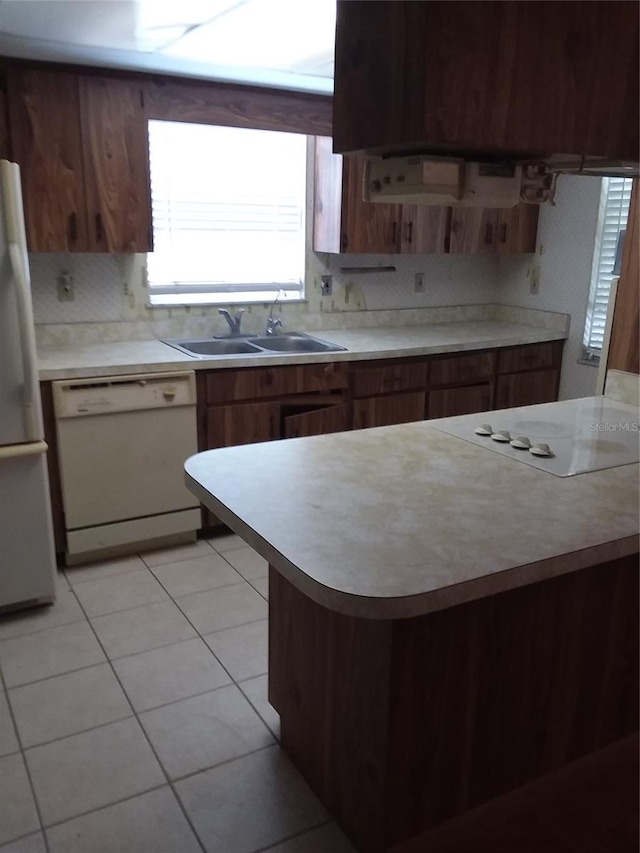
x: 148, y: 823
x: 63, y: 611
x: 48, y: 653
x: 195, y: 575
x: 173, y: 672
x: 143, y: 628
x: 104, y: 569
x: 249, y: 563
x: 18, y: 814
x: 205, y: 730
x: 200, y: 548
x: 249, y: 804
x: 261, y: 585
x: 243, y: 650
x: 120, y: 592
x: 256, y: 691
x: 226, y: 542
x: 30, y: 844
x: 8, y: 740
x: 222, y: 608
x: 61, y: 581
x: 68, y: 704
x: 93, y: 769
x: 325, y: 839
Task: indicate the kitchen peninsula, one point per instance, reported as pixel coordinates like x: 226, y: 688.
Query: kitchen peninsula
x: 446, y: 624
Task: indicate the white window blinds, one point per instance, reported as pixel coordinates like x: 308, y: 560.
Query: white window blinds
x: 614, y: 209
x: 228, y: 213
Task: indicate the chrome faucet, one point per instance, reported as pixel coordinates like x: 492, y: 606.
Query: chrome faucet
x: 233, y: 321
x: 273, y: 323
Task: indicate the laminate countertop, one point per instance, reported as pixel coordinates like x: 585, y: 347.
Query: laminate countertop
x: 400, y: 521
x: 128, y: 357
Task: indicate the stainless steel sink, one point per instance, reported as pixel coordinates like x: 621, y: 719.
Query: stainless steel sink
x: 288, y: 342
x: 295, y: 342
x: 208, y: 346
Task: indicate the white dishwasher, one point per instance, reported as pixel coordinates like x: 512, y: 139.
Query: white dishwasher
x: 122, y: 443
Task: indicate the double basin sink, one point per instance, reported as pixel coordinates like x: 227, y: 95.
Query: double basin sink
x: 286, y: 342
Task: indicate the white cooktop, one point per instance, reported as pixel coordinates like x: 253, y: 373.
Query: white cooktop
x: 580, y: 436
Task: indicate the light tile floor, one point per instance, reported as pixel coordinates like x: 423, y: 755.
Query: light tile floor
x: 134, y: 714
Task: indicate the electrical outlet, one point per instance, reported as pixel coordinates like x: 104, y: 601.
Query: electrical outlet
x: 327, y: 285
x: 66, y: 292
x: 418, y: 282
x: 534, y: 281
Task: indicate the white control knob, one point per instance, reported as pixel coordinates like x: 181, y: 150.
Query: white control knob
x: 501, y: 435
x: 521, y: 442
x: 541, y: 449
x: 484, y: 429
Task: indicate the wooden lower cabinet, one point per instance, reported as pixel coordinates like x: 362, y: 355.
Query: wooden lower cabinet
x: 527, y: 389
x: 391, y: 409
x: 243, y: 424
x: 320, y: 421
x: 449, y: 402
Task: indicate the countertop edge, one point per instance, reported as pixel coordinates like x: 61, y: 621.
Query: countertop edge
x: 406, y: 607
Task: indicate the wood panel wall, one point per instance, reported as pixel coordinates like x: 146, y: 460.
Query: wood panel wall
x: 624, y: 348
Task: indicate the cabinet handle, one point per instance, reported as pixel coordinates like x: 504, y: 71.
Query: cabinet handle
x: 503, y: 233
x: 394, y: 232
x: 488, y: 233
x: 99, y: 229
x: 72, y: 227
x: 410, y: 233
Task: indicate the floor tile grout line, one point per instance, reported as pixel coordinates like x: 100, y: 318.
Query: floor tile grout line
x: 57, y: 675
x: 147, y: 738
x: 291, y: 837
x: 40, y: 630
x: 79, y: 732
x: 181, y: 560
x: 142, y: 568
x: 25, y: 763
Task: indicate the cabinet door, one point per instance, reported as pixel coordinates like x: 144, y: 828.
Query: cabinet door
x: 526, y: 389
x: 392, y: 409
x: 473, y: 231
x: 244, y: 424
x: 450, y: 402
x: 319, y: 422
x: 367, y: 227
x: 518, y: 228
x: 46, y: 143
x: 424, y: 229
x: 118, y: 188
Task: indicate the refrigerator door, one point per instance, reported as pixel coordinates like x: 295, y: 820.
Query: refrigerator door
x: 27, y: 564
x: 21, y: 418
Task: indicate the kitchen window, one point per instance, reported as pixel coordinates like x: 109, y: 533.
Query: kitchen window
x: 228, y: 214
x: 612, y: 218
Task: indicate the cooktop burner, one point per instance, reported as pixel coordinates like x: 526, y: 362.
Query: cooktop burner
x: 577, y: 436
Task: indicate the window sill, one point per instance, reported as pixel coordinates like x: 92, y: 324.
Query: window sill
x: 589, y: 362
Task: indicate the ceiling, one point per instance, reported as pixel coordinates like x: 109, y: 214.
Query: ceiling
x: 283, y: 43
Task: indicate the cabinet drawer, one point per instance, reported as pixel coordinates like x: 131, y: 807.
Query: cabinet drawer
x: 228, y: 426
x: 255, y: 383
x: 391, y: 409
x: 527, y: 389
x: 462, y: 369
x: 369, y: 381
x: 451, y: 402
x: 530, y: 357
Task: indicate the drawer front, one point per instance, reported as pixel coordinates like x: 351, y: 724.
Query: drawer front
x: 392, y: 409
x: 530, y: 357
x: 255, y: 383
x: 463, y: 369
x: 527, y: 389
x: 369, y: 381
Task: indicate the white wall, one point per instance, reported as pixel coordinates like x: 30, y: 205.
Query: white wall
x: 566, y: 237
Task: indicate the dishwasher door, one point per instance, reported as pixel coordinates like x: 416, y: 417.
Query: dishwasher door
x: 122, y: 443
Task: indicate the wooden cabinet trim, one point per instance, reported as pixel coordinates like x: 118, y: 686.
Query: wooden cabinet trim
x: 530, y: 357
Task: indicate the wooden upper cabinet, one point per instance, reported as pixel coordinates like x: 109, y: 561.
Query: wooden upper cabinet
x: 475, y: 78
x: 424, y: 229
x: 81, y: 143
x: 116, y: 147
x: 477, y: 230
x: 46, y: 142
x: 624, y: 346
x: 517, y: 229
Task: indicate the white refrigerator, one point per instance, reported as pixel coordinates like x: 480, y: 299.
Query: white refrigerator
x: 27, y: 557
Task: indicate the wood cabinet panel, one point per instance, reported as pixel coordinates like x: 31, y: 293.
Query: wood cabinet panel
x: 382, y: 379
x: 471, y: 78
x: 624, y: 347
x: 517, y: 229
x: 387, y: 410
x: 243, y: 424
x: 319, y: 422
x: 473, y: 231
x: 254, y: 383
x: 451, y: 402
x: 117, y: 177
x: 527, y: 389
x: 529, y: 357
x: 46, y: 142
x: 327, y: 197
x: 425, y: 229
x: 462, y: 369
x: 366, y: 227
